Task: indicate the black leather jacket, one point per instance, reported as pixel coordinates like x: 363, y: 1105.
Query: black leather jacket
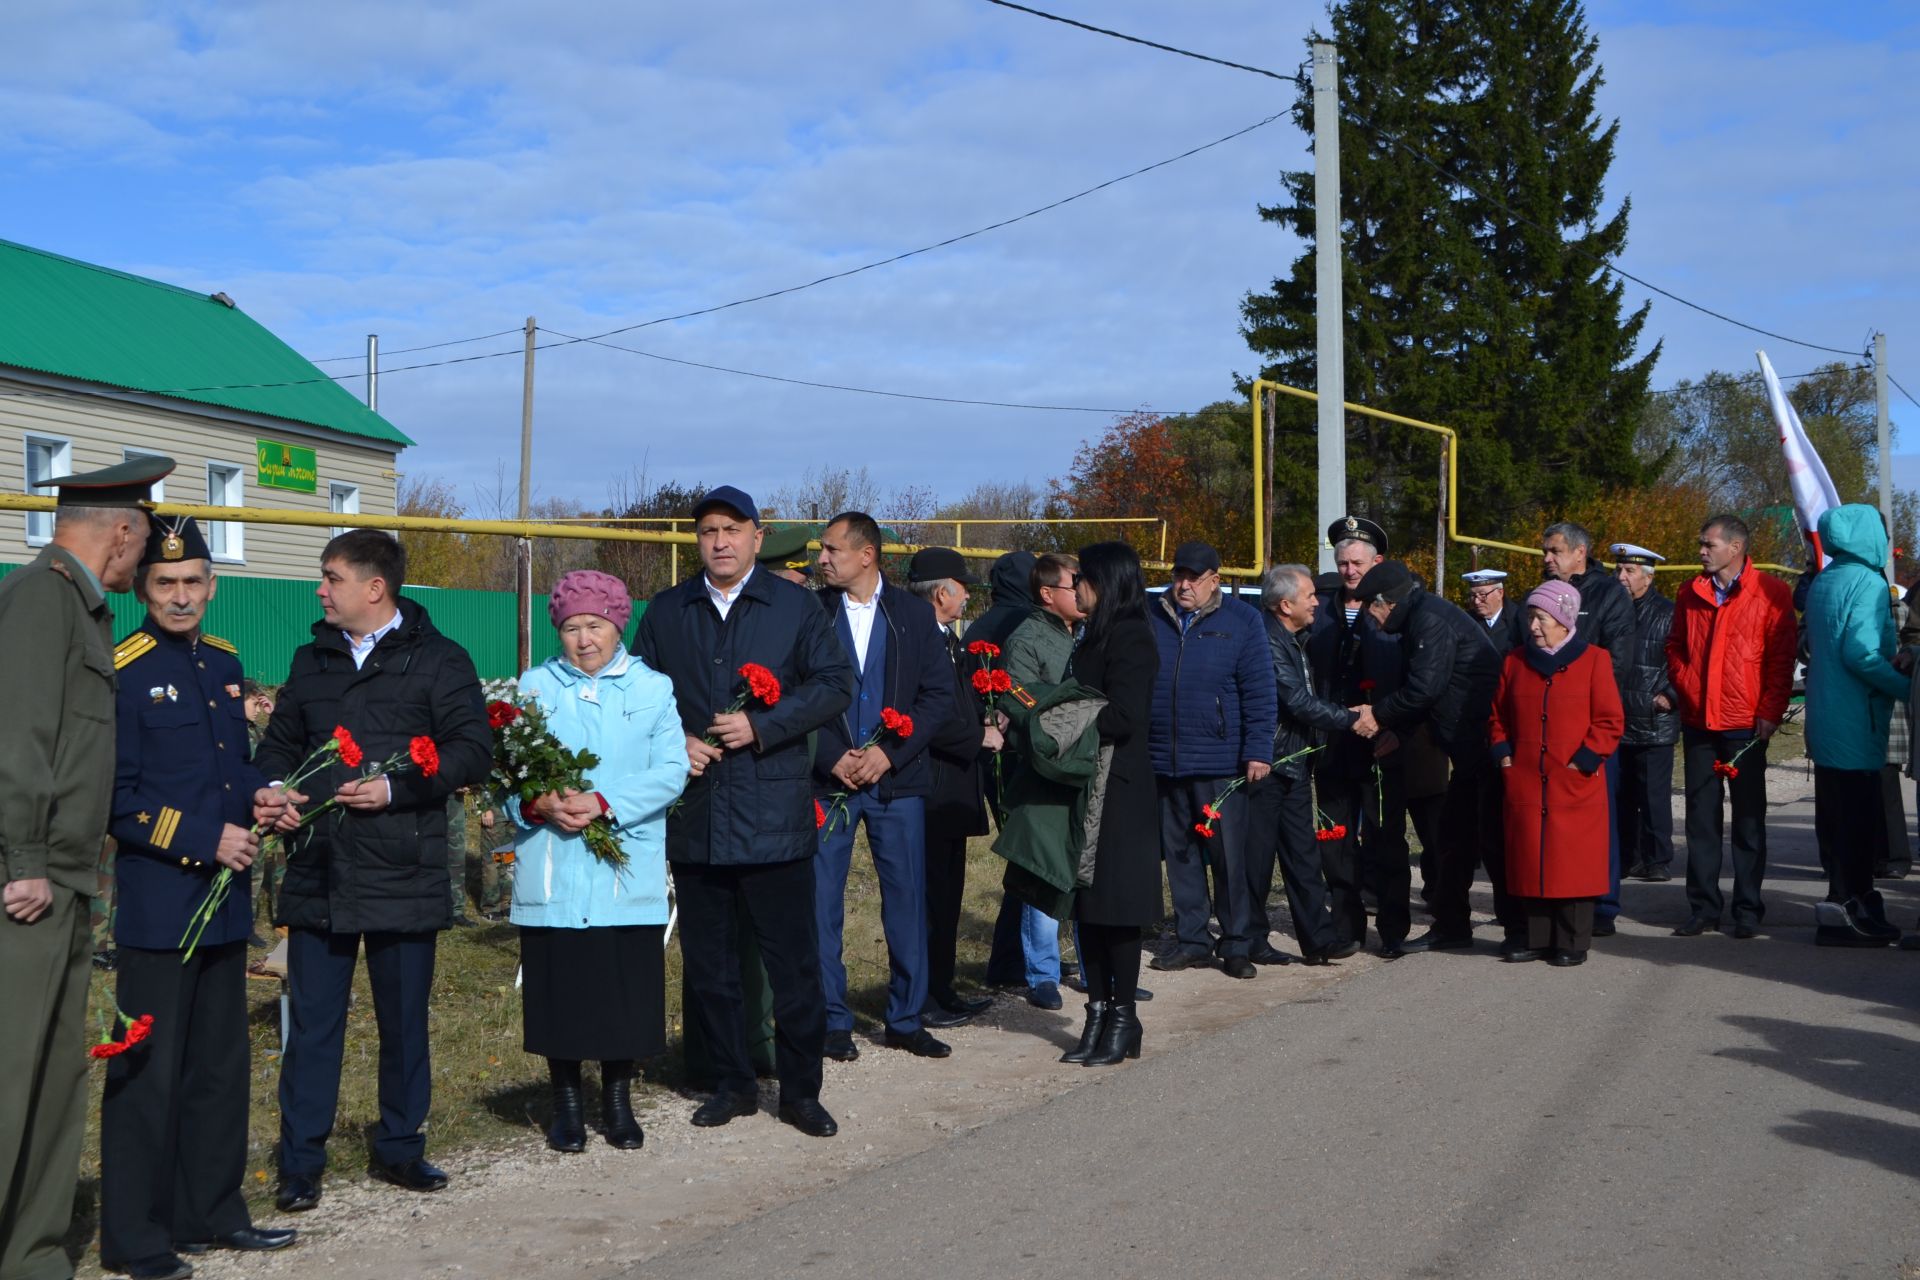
x: 1451, y: 673
x: 1305, y: 717
x: 1606, y: 617
x: 1644, y: 674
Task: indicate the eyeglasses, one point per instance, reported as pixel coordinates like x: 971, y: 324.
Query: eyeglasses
x: 1483, y: 593
x: 1067, y: 582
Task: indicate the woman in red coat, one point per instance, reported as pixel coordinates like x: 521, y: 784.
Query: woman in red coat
x: 1556, y: 718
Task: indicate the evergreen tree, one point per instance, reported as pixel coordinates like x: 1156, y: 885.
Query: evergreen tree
x: 1473, y: 288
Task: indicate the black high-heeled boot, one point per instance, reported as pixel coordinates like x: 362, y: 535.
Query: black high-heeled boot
x: 616, y: 1107
x: 568, y: 1132
x: 1090, y: 1034
x: 1119, y: 1038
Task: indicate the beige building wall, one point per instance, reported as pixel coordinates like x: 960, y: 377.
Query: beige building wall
x: 98, y: 430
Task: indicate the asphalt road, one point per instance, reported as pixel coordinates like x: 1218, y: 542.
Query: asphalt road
x: 1675, y: 1107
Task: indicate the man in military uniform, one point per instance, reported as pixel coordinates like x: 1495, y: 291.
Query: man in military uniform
x: 1487, y: 601
x: 1644, y: 796
x: 173, y: 1126
x: 784, y: 554
x: 56, y: 771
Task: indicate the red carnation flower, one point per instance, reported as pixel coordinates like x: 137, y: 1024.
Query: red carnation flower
x: 350, y: 753
x: 1340, y: 832
x: 1206, y: 832
x: 1002, y: 682
x: 901, y: 725
x: 110, y: 1049
x: 983, y: 681
x: 819, y: 816
x: 986, y: 647
x: 1366, y: 686
x: 1209, y: 811
x: 501, y: 714
x: 139, y: 1029
x: 426, y: 755
x: 761, y: 683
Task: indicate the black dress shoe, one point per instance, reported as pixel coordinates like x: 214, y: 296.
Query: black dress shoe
x: 1525, y: 955
x: 1238, y: 967
x: 1139, y: 993
x: 1174, y: 961
x: 1603, y: 929
x: 919, y: 1043
x: 245, y: 1240
x: 1695, y: 926
x: 1567, y: 959
x: 297, y: 1194
x: 412, y: 1175
x: 1745, y: 931
x: 164, y: 1267
x: 840, y: 1046
x: 1656, y: 875
x: 1343, y: 950
x: 1271, y: 956
x: 1392, y: 951
x: 809, y: 1117
x: 942, y: 1018
x: 724, y: 1106
x: 953, y: 1002
x: 1435, y: 940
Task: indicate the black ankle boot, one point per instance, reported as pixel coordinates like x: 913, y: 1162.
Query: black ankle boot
x: 1090, y: 1034
x: 1119, y: 1037
x: 616, y: 1107
x: 568, y: 1132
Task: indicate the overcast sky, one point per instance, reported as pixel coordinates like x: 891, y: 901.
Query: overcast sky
x: 428, y: 174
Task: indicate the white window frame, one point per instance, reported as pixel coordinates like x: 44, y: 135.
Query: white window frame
x: 227, y: 538
x: 40, y: 523
x: 344, y: 500
x: 159, y: 486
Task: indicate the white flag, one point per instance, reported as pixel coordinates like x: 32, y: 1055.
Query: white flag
x: 1813, y: 491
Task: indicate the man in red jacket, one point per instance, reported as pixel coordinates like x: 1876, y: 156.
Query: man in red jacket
x: 1730, y: 658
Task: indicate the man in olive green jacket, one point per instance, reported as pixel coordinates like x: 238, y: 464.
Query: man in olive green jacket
x: 56, y: 783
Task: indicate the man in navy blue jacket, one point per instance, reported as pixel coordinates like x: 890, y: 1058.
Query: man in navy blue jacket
x: 872, y: 772
x: 1214, y: 714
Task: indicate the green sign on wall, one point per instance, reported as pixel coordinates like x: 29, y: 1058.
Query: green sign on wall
x: 287, y: 466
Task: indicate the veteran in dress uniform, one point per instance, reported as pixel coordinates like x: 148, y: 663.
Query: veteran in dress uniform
x: 1487, y: 600
x: 173, y: 1125
x: 56, y: 779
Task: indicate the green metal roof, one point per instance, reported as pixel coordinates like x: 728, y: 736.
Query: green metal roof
x: 62, y: 316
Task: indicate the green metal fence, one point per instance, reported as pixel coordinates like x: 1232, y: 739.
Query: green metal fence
x: 268, y: 618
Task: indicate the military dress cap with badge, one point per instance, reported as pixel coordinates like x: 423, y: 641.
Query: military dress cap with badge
x: 125, y: 484
x: 1485, y: 578
x: 786, y: 548
x: 183, y: 771
x: 1627, y: 553
x: 1352, y: 528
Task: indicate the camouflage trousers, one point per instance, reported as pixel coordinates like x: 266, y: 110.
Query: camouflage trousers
x: 476, y: 872
x: 100, y: 912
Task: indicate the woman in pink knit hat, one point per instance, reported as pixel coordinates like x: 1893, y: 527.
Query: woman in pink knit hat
x: 1556, y: 718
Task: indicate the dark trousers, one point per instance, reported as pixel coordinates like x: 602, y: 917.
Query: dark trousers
x: 173, y: 1125
x: 1349, y: 797
x: 1472, y: 836
x: 1191, y: 859
x: 1280, y: 823
x: 946, y: 885
x: 1644, y: 803
x: 756, y: 1009
x: 1705, y: 824
x: 1006, y: 960
x: 1425, y: 813
x: 1894, y: 859
x: 1558, y: 924
x: 1846, y: 823
x: 778, y: 903
x: 319, y: 982
x: 896, y: 837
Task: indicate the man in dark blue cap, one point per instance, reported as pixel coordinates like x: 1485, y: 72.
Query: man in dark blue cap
x: 173, y: 1126
x: 57, y: 685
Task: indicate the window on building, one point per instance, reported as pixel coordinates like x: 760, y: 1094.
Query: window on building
x: 47, y: 457
x: 159, y: 486
x: 226, y: 538
x: 346, y: 502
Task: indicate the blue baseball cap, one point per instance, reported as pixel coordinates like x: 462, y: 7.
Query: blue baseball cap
x: 734, y: 500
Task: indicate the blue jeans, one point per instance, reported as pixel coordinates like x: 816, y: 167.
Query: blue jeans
x: 897, y: 835
x: 1040, y: 943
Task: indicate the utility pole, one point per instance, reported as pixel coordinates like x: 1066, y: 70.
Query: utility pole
x: 1330, y: 380
x: 1886, y: 434
x: 524, y: 549
x: 1440, y: 533
x: 373, y: 372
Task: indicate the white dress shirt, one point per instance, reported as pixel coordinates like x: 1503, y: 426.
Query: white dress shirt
x: 723, y: 600
x: 363, y: 649
x: 860, y: 622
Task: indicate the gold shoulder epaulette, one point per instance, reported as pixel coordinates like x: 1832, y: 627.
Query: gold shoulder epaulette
x: 132, y: 647
x: 218, y: 643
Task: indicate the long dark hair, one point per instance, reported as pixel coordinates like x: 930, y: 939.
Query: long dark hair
x: 1120, y: 589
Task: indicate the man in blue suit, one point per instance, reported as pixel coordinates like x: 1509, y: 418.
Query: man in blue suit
x: 173, y: 1128
x: 900, y: 664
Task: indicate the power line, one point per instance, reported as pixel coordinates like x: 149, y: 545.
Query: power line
x: 865, y: 391
x: 1451, y: 178
x: 401, y: 351
x: 1745, y: 378
x: 1903, y: 391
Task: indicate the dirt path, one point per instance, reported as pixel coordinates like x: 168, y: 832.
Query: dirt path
x: 524, y: 1211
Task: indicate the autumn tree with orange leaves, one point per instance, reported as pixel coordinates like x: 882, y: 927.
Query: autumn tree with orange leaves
x: 1194, y: 470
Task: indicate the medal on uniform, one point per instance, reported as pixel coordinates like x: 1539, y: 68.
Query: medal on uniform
x: 173, y: 546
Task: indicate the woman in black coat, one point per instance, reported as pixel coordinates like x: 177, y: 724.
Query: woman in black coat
x: 1117, y: 657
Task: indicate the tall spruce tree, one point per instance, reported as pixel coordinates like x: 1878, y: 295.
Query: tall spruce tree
x: 1472, y: 192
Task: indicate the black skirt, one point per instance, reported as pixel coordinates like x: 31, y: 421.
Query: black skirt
x: 594, y: 994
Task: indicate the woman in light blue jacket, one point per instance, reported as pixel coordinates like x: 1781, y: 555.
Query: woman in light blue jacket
x: 591, y: 936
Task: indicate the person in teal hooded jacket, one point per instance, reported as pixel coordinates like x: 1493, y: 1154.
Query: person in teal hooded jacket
x: 1852, y: 684
x: 591, y: 934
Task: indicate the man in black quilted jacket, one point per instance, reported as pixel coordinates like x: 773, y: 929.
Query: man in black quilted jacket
x: 1644, y: 797
x: 373, y: 869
